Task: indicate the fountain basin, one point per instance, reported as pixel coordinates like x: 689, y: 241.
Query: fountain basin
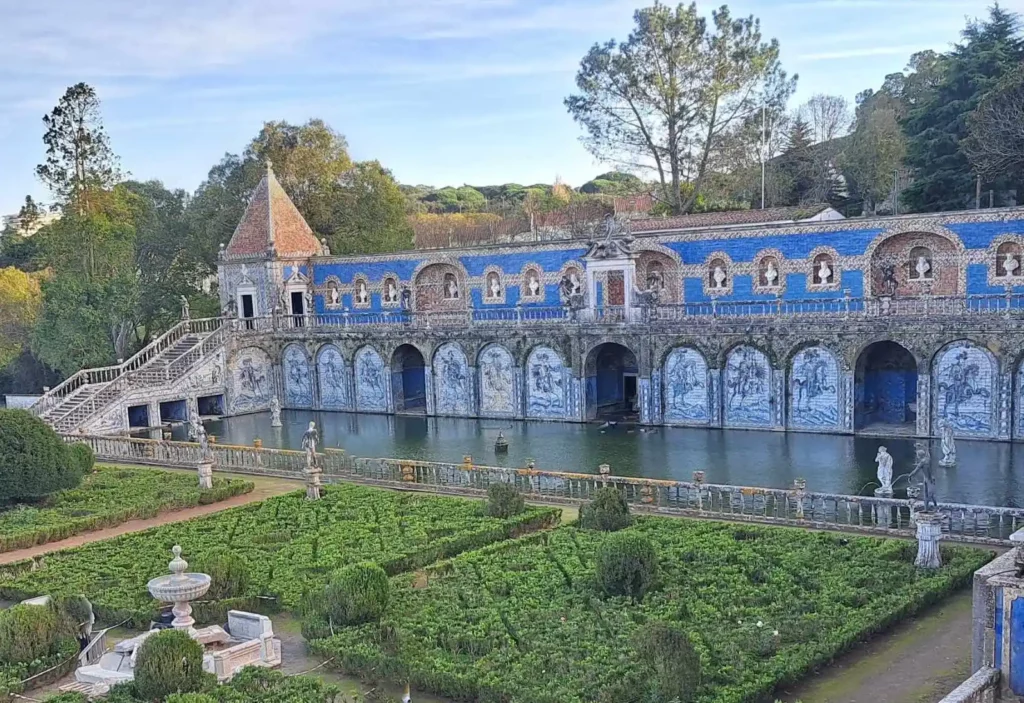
x: 179, y: 587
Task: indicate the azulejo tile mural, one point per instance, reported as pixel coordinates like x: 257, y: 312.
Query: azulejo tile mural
x: 546, y: 384
x: 452, y: 382
x: 371, y: 381
x: 298, y: 382
x: 814, y: 384
x: 687, y: 390
x: 252, y: 381
x: 966, y: 389
x: 497, y: 381
x: 747, y: 392
x: 332, y: 375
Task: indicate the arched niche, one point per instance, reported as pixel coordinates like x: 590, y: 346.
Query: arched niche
x: 966, y: 389
x: 252, y: 382
x: 747, y: 388
x: 546, y: 384
x: 440, y: 286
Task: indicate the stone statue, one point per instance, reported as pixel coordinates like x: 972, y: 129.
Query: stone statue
x: 495, y: 289
x: 948, y: 444
x: 1010, y: 265
x: 205, y: 453
x: 275, y: 411
x: 362, y: 296
x: 310, y: 438
x: 453, y: 288
x: 923, y: 466
x: 771, y: 274
x: 335, y: 296
x: 576, y: 285
x: 325, y: 250
x: 392, y: 292
x: 406, y: 298
x: 186, y: 311
x: 309, y: 302
x: 884, y: 460
x: 194, y: 426
x: 824, y: 272
x: 923, y: 268
x: 719, y: 276
x: 889, y: 283
x: 534, y: 286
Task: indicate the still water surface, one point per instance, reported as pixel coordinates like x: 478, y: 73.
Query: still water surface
x: 987, y: 472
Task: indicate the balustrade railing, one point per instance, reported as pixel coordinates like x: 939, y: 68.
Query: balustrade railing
x: 981, y: 687
x: 795, y: 506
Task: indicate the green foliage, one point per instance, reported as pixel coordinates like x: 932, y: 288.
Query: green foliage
x: 356, y: 594
x: 34, y: 461
x: 504, y: 501
x: 666, y: 648
x: 369, y: 213
x: 83, y: 456
x: 613, y: 183
x: 464, y: 199
x: 228, y: 571
x: 169, y: 662
x: 608, y: 511
x: 291, y: 545
x: 29, y: 632
x: 730, y: 588
x: 107, y: 497
x: 627, y: 565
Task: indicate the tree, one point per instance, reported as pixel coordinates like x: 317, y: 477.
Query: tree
x: 20, y: 302
x: 78, y: 155
x: 995, y: 145
x: 614, y: 183
x: 34, y: 461
x: 877, y: 147
x: 937, y: 123
x: 369, y: 214
x: 666, y: 97
x: 828, y: 117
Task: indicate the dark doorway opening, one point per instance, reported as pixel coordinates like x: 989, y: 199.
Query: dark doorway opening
x: 885, y: 389
x: 298, y: 307
x: 173, y: 411
x: 611, y: 383
x: 210, y: 405
x: 248, y: 310
x: 138, y: 416
x: 408, y: 380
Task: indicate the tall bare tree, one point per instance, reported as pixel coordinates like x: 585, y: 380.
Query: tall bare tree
x: 666, y: 98
x: 995, y: 145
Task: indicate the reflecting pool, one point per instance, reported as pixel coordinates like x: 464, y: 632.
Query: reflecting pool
x: 987, y: 472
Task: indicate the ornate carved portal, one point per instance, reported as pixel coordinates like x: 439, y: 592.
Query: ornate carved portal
x: 440, y: 287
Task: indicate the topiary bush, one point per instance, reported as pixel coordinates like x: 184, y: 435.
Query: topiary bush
x: 356, y: 594
x: 504, y: 501
x: 169, y: 662
x: 667, y: 649
x: 83, y: 456
x: 34, y: 461
x: 228, y: 571
x: 627, y: 565
x: 29, y: 633
x: 608, y: 511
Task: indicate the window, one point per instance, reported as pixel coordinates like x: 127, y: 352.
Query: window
x: 920, y: 264
x: 1008, y: 260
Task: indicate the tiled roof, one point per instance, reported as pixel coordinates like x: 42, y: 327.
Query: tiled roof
x: 271, y: 220
x: 734, y: 217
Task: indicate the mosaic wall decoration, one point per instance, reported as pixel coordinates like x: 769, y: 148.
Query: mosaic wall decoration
x: 497, y: 381
x: 814, y: 384
x: 546, y: 384
x: 966, y: 389
x: 686, y: 387
x: 747, y: 388
x: 371, y: 381
x: 332, y: 376
x: 252, y: 381
x: 452, y: 382
x: 298, y: 383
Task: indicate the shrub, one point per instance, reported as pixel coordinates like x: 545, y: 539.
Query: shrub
x: 190, y: 698
x: 169, y: 662
x: 34, y: 462
x: 356, y: 594
x: 668, y: 650
x: 228, y: 571
x: 608, y: 511
x: 83, y: 457
x: 29, y: 632
x: 626, y: 565
x: 504, y: 501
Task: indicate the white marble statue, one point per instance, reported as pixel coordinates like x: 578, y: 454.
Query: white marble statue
x: 771, y: 274
x: 495, y: 289
x: 824, y: 272
x: 194, y: 425
x: 392, y: 293
x: 335, y: 296
x: 362, y: 295
x: 310, y: 438
x: 534, y: 286
x: 205, y: 453
x: 453, y: 289
x: 275, y: 411
x: 186, y: 310
x: 923, y: 268
x: 309, y: 302
x: 1010, y: 265
x: 719, y: 277
x: 948, y: 444
x: 884, y: 460
x: 575, y: 281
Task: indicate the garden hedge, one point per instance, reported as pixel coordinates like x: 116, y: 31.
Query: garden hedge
x: 34, y: 461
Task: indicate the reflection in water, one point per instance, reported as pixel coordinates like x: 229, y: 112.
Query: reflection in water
x: 986, y: 472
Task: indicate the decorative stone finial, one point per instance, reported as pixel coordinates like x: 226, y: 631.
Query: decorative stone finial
x: 270, y: 165
x: 177, y: 565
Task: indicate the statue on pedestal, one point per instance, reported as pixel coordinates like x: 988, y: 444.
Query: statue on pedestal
x: 923, y: 466
x: 884, y: 460
x: 186, y: 310
x: 310, y: 439
x: 948, y: 444
x: 275, y: 411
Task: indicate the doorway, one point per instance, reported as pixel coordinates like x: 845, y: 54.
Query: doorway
x: 408, y: 380
x: 298, y: 307
x: 248, y: 310
x: 611, y: 383
x: 885, y: 389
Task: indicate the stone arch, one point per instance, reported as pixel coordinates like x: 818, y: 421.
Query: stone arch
x: 965, y: 379
x: 409, y: 387
x: 769, y: 273
x: 825, y: 272
x: 890, y: 266
x: 332, y: 379
x: 432, y: 286
x: 498, y: 389
x: 298, y: 380
x: 252, y: 380
x: 656, y: 268
x: 453, y: 383
x: 748, y: 396
x: 713, y: 285
x: 611, y: 375
x: 371, y: 381
x: 547, y: 384
x: 815, y: 389
x: 532, y: 287
x: 687, y: 386
x: 885, y: 387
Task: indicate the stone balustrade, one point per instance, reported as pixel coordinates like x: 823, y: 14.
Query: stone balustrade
x: 982, y: 687
x: 797, y: 506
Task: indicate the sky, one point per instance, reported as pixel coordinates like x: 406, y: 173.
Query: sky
x: 442, y: 92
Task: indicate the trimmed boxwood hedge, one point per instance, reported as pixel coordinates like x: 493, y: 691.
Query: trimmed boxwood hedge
x: 34, y: 461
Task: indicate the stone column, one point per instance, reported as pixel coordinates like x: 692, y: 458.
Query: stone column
x: 929, y: 532
x: 205, y: 469
x: 924, y: 403
x: 883, y: 513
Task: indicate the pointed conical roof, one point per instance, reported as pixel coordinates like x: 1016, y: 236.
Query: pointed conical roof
x: 272, y: 223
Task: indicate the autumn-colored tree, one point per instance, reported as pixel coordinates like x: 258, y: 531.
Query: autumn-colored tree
x: 20, y: 301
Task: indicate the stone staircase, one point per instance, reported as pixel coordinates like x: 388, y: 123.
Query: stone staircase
x: 81, y: 397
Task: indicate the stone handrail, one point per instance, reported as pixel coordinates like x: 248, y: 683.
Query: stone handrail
x: 795, y: 506
x: 982, y: 687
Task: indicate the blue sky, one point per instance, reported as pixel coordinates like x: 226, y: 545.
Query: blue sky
x: 443, y: 92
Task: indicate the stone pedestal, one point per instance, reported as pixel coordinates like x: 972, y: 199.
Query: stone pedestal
x: 929, y: 532
x: 205, y: 474
x: 313, y: 483
x: 883, y: 513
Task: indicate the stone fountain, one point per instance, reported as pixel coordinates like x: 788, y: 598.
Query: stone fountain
x: 179, y: 588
